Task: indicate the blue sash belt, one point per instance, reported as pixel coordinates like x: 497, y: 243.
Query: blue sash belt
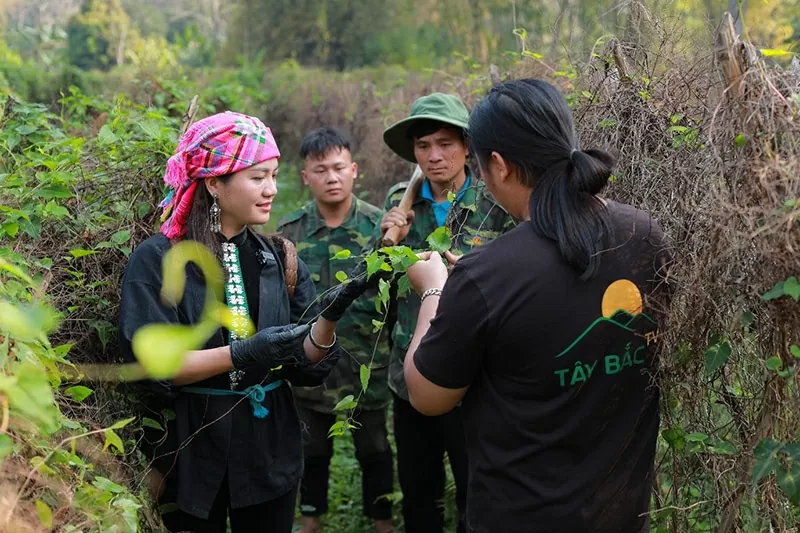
x: 256, y: 393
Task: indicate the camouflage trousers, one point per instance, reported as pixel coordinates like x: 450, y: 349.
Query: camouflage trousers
x: 372, y: 452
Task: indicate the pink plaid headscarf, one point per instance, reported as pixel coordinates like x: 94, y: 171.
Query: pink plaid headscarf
x: 215, y: 146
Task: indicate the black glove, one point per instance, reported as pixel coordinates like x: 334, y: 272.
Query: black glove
x: 337, y: 300
x: 270, y: 347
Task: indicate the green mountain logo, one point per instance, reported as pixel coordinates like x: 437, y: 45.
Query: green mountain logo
x: 623, y: 322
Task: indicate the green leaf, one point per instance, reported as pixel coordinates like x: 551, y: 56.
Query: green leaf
x: 716, y: 357
x: 791, y: 287
x: 747, y: 319
x: 105, y: 135
x: 45, y: 514
x: 336, y: 429
x: 374, y: 262
x: 80, y: 252
x: 26, y: 129
x: 440, y: 239
x: 62, y: 349
x: 122, y: 423
x: 342, y: 254
x: 383, y: 295
x: 121, y: 237
x: 174, y: 268
x: 106, y: 484
x: 774, y: 363
x: 376, y: 325
x: 451, y: 196
x: 341, y: 276
x: 112, y: 439
x: 151, y: 129
x: 364, y: 374
x: 766, y: 453
x: 6, y: 447
x: 775, y: 292
x: 161, y: 348
x: 789, y: 482
x: 129, y: 513
x: 150, y: 423
x: 674, y: 437
x: 795, y: 350
x: 696, y: 437
x: 78, y: 393
x: 740, y: 140
x: 15, y: 212
x: 53, y: 191
x: 408, y: 257
x: 15, y: 271
x: 53, y: 209
x: 11, y: 229
x: 404, y: 285
x: 30, y: 394
x: 348, y: 402
x: 723, y: 448
x: 792, y: 450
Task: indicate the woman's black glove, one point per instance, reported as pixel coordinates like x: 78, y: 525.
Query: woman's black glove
x: 270, y: 347
x: 338, y: 299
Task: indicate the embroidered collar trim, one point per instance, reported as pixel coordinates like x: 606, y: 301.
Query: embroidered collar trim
x: 237, y: 301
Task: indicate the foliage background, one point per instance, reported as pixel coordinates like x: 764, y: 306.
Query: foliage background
x: 92, y: 98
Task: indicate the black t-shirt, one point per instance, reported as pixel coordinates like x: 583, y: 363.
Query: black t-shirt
x: 561, y: 414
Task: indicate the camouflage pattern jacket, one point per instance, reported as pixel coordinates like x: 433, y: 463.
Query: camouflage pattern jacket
x: 474, y: 219
x: 316, y: 245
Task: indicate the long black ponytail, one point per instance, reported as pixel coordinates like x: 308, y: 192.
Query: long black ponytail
x: 529, y: 123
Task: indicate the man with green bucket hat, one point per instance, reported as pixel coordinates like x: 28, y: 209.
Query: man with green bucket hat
x: 434, y: 137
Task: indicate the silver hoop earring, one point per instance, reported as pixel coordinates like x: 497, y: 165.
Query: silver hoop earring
x: 214, y: 212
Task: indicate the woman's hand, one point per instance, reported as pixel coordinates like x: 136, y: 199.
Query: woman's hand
x: 428, y: 273
x: 452, y: 258
x: 339, y: 298
x: 270, y: 347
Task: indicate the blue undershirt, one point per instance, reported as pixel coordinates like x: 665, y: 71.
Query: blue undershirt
x: 440, y: 209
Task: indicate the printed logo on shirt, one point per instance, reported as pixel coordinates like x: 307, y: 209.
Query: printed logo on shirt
x: 621, y: 307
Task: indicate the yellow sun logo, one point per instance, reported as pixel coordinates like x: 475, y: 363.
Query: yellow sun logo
x: 622, y: 295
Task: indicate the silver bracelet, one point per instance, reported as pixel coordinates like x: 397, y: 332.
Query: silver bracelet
x: 317, y: 345
x: 437, y: 292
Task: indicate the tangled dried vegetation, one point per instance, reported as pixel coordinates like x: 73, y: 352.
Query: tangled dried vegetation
x: 708, y: 143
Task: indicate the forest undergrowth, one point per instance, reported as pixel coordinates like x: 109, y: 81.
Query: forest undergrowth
x: 707, y: 141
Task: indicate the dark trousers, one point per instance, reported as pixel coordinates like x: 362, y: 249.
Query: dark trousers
x: 372, y: 452
x: 421, y: 444
x: 274, y: 516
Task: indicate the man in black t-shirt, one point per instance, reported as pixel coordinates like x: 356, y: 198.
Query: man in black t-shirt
x: 561, y: 413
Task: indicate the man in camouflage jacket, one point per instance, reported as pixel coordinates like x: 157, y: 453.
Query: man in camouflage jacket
x: 433, y: 136
x: 335, y: 221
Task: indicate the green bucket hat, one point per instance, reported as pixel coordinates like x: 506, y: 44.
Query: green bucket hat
x: 445, y: 108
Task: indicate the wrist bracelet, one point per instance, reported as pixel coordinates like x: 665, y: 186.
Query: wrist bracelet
x: 437, y: 292
x: 317, y: 345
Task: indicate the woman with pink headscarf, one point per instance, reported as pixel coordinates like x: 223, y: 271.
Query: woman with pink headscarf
x: 231, y: 444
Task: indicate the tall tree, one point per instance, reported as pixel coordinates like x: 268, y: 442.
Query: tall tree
x: 98, y: 34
